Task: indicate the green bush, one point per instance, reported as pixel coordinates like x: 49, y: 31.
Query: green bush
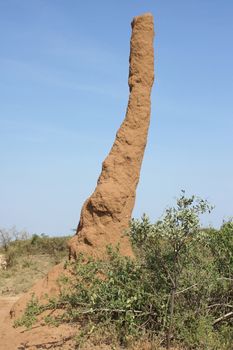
x: 33, y: 310
x: 11, y: 257
x: 179, y: 288
x: 56, y: 247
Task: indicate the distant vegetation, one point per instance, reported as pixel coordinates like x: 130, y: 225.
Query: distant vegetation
x: 25, y: 259
x: 178, y: 290
x: 56, y: 247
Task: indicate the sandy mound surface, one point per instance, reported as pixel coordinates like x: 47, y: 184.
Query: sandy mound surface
x: 39, y: 337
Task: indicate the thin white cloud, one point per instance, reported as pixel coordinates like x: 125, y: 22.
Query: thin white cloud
x: 33, y: 71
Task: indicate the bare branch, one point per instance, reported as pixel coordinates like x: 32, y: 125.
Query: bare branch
x: 224, y: 305
x: 223, y: 318
x: 184, y: 290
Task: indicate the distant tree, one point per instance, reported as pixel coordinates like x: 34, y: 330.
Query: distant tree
x: 7, y: 236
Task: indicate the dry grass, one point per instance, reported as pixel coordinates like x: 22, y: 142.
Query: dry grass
x: 19, y: 278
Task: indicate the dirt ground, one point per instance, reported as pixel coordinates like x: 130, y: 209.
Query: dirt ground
x: 39, y: 337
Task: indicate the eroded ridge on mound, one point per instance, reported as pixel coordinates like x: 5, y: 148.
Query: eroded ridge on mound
x: 106, y: 213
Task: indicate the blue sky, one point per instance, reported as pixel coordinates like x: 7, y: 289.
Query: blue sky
x: 63, y: 94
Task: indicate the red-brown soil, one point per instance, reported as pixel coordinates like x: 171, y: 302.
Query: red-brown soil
x: 39, y: 337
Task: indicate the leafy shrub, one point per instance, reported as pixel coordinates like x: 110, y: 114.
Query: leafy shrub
x: 179, y: 287
x: 11, y: 257
x: 29, y: 317
x: 221, y: 244
x: 53, y: 246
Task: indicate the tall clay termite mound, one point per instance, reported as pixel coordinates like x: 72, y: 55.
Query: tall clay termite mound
x: 106, y: 213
